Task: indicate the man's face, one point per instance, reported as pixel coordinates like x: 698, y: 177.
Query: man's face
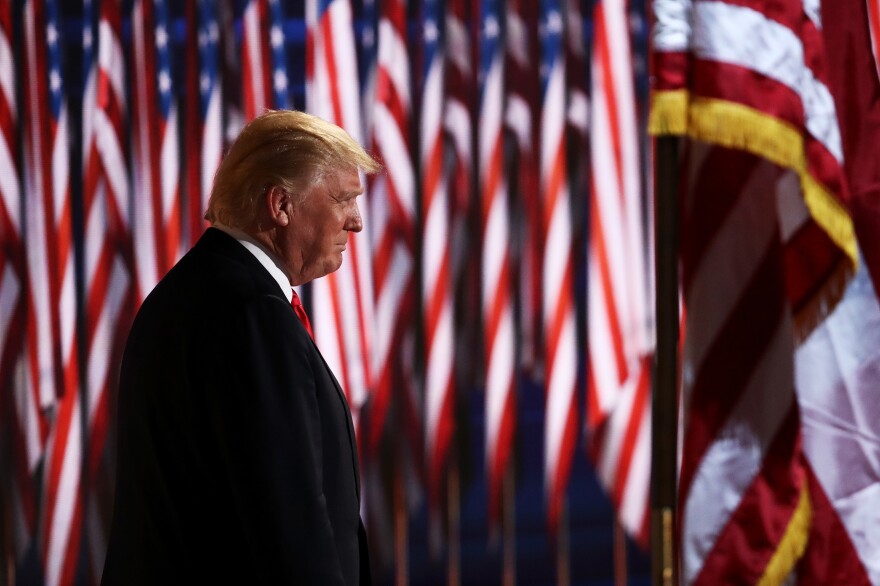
x: 320, y: 222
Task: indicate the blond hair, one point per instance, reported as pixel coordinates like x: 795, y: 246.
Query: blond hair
x: 286, y: 148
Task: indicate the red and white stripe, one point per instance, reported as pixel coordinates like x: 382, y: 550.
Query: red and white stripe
x: 741, y: 454
x: 522, y: 111
x: 38, y: 180
x: 19, y: 398
x: 458, y: 125
x: 392, y: 211
x: 156, y: 224
x: 837, y: 368
x: 47, y: 179
x: 438, y: 303
x: 496, y: 287
x: 107, y: 253
x: 837, y: 371
x: 204, y: 135
x: 256, y: 69
x: 11, y: 257
x: 874, y: 27
x: 62, y: 505
x: 342, y: 302
x: 618, y: 310
x: 560, y: 335
x: 578, y: 114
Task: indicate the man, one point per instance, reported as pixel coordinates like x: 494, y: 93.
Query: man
x: 237, y: 456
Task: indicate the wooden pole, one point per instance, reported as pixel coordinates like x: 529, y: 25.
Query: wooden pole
x: 664, y: 416
x: 563, y: 566
x: 400, y: 528
x: 453, y: 574
x: 508, y: 519
x: 6, y: 556
x: 620, y: 563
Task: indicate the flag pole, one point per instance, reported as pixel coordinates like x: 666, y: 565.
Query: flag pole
x: 620, y: 561
x: 400, y: 528
x: 453, y: 575
x: 664, y: 415
x: 563, y: 572
x: 508, y: 516
x: 6, y: 556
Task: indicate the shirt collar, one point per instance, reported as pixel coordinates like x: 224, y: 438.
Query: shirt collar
x: 266, y: 258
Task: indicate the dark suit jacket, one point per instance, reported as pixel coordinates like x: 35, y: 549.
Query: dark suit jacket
x: 237, y: 460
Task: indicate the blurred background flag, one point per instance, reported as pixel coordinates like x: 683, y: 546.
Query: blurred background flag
x: 392, y: 205
x: 156, y: 221
x: 521, y: 120
x: 204, y: 114
x: 496, y: 285
x: 458, y: 127
x: 437, y: 288
x: 20, y: 401
x: 560, y: 335
x: 264, y: 64
x: 51, y: 256
x: 108, y: 260
x: 619, y: 314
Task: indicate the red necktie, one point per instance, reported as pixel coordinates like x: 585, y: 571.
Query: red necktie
x: 300, y: 312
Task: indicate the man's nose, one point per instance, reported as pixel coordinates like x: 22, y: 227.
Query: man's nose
x: 354, y: 223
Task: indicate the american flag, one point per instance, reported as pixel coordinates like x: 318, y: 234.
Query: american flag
x: 393, y: 214
x: 744, y: 487
x: 368, y: 61
x: 11, y: 253
x: 109, y: 268
x: 256, y: 81
x: 50, y: 234
x: 19, y: 397
x: 838, y: 367
x: 204, y: 115
x: 618, y: 311
x: 264, y: 68
x: 438, y: 302
x: 522, y: 111
x: 342, y: 302
x: 458, y: 113
x: 560, y: 422
x: 496, y: 289
x: 575, y: 62
x: 157, y: 212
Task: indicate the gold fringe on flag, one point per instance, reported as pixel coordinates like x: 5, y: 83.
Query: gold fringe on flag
x: 733, y: 125
x: 792, y: 545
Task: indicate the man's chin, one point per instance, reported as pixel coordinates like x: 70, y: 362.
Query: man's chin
x: 332, y: 266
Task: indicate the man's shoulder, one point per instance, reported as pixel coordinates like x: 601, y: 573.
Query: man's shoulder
x: 219, y: 267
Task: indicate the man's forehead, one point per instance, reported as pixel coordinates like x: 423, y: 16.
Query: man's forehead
x: 350, y: 181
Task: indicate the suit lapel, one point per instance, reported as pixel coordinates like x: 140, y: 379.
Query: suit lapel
x: 348, y: 422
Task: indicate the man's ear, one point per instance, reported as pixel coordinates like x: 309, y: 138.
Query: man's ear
x: 277, y: 203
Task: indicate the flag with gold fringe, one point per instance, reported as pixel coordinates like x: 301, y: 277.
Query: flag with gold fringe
x: 767, y: 246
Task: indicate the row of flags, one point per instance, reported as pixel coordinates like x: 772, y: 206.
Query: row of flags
x: 780, y: 107
x: 472, y: 230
